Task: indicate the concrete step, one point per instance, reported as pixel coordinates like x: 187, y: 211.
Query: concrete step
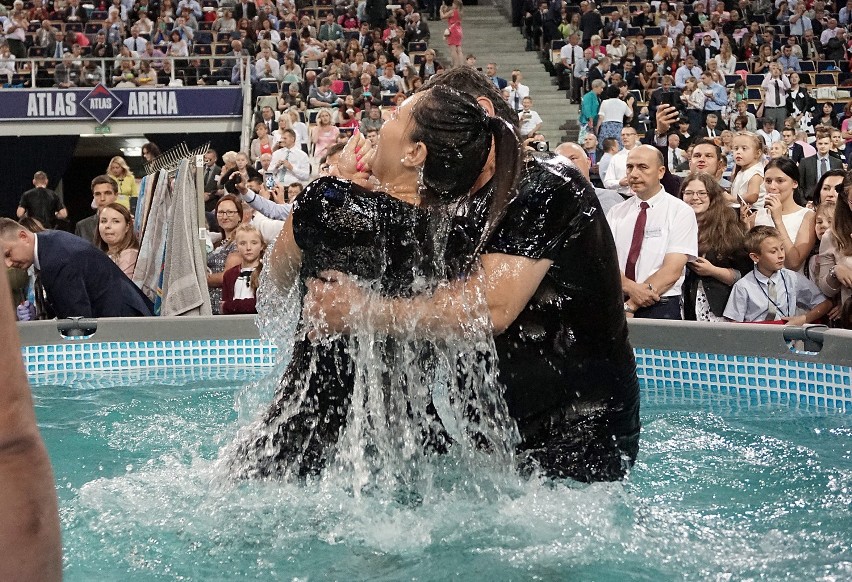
x: 490, y: 37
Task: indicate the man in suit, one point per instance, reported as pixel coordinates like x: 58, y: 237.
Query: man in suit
x: 57, y: 47
x: 211, y: 186
x: 77, y: 278
x: 705, y: 51
x: 104, y: 192
x: 245, y: 9
x: 794, y: 151
x: 491, y: 73
x: 811, y: 169
x: 74, y: 12
x: 367, y: 92
x: 416, y: 30
x: 811, y: 47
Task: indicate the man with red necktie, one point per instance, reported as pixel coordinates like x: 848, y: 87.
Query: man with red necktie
x: 655, y: 235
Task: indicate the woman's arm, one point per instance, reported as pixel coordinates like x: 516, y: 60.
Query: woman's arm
x: 799, y: 250
x: 215, y: 279
x: 286, y: 257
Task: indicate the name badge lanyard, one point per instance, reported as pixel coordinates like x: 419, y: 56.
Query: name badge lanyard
x: 786, y: 293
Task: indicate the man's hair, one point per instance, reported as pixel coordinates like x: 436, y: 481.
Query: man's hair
x: 714, y: 116
x: 475, y: 84
x: 333, y: 150
x: 822, y: 131
x: 40, y: 176
x: 289, y: 132
x: 757, y: 235
x: 9, y: 228
x: 104, y: 179
x: 710, y: 142
x: 609, y: 143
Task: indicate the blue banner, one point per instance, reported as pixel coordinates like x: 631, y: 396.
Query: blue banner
x: 103, y: 104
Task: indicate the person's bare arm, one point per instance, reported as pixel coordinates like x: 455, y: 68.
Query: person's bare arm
x: 505, y: 282
x: 29, y: 518
x: 62, y: 214
x: 286, y: 257
x: 21, y: 211
x: 650, y: 290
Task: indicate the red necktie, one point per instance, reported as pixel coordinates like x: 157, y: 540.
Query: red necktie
x: 636, y: 242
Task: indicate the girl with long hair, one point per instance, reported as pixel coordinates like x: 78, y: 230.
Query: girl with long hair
x: 240, y: 282
x: 722, y: 258
x: 115, y: 237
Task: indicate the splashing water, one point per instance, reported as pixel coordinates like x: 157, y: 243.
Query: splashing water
x: 364, y: 408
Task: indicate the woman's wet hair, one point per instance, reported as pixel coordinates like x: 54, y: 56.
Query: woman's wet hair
x: 457, y: 133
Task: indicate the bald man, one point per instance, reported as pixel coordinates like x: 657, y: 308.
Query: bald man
x: 577, y: 155
x: 655, y: 235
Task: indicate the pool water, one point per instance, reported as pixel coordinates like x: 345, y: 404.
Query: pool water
x: 724, y: 489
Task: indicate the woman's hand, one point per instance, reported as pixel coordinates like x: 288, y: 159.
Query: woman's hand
x: 773, y: 204
x: 796, y: 320
x: 843, y: 275
x: 356, y: 160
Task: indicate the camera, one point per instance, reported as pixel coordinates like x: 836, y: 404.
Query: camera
x: 541, y: 146
x: 231, y: 184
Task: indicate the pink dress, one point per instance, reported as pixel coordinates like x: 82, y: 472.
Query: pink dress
x: 454, y: 25
x: 324, y: 140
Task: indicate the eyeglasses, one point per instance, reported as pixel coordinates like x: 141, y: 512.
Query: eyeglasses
x: 695, y: 193
x: 226, y: 212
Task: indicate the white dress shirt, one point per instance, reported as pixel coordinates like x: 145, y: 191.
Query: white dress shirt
x: 670, y: 227
x: 616, y: 172
x: 301, y: 171
x: 749, y: 300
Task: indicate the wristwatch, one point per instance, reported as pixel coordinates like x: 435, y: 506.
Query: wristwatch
x: 628, y: 309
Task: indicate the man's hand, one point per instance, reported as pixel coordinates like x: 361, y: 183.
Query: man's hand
x: 667, y: 115
x: 640, y: 295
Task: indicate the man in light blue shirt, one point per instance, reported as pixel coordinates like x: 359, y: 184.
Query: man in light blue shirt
x: 716, y: 94
x: 789, y: 63
x: 686, y: 70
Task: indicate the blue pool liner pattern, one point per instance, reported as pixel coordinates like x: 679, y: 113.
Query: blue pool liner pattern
x: 758, y: 379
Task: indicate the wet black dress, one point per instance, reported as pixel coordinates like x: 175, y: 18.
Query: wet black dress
x: 377, y: 238
x: 566, y: 363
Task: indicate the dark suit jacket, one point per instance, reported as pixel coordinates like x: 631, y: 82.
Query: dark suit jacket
x: 80, y: 14
x: 250, y: 11
x: 500, y: 82
x: 808, y: 173
x: 700, y: 53
x: 807, y: 54
x: 86, y: 228
x: 79, y: 279
x: 797, y: 154
x: 51, y: 49
x: 375, y: 99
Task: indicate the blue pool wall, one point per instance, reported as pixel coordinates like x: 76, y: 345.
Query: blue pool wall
x: 723, y: 360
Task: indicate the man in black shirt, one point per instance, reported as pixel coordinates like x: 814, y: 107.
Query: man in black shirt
x: 41, y: 203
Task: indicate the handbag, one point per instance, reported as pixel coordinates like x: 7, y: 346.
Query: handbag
x: 446, y: 32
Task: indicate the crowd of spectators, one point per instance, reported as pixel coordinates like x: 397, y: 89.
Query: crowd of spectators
x: 711, y: 94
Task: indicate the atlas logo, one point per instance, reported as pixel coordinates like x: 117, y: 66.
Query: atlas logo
x: 101, y: 103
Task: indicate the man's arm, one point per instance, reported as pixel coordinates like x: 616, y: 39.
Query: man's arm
x: 612, y: 180
x: 268, y: 208
x: 29, y: 515
x: 506, y: 282
x: 301, y: 168
x: 21, y: 211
